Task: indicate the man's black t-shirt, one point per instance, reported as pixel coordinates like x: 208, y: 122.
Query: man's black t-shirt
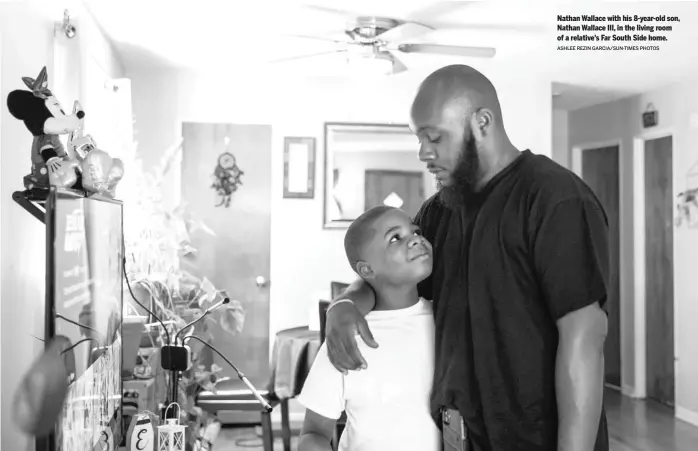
x: 529, y: 248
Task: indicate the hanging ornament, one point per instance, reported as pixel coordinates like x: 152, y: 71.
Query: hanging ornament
x: 105, y: 441
x: 171, y: 434
x: 140, y: 435
x: 226, y: 177
x: 687, y: 208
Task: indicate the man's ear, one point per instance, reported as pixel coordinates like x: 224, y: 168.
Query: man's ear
x: 482, y: 122
x: 364, y: 270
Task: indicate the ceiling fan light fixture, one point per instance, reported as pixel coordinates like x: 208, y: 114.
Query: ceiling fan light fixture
x: 370, y: 67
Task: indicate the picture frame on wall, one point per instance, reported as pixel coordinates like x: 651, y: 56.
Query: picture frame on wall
x: 299, y: 168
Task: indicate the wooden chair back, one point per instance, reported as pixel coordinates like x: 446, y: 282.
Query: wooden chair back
x: 322, y: 307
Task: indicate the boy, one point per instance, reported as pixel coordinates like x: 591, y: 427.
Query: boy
x: 387, y: 404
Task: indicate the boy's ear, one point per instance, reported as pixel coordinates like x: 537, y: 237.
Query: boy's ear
x: 364, y: 270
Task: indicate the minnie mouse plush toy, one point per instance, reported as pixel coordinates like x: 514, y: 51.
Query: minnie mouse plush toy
x: 44, y: 117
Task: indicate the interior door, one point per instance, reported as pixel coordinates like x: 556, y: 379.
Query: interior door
x: 401, y: 189
x: 600, y: 172
x: 215, y: 157
x: 659, y: 269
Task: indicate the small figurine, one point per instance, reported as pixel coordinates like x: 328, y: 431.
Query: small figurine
x: 101, y: 173
x: 44, y: 117
x: 78, y: 145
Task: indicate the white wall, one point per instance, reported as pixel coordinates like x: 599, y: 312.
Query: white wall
x: 163, y: 98
x: 27, y: 45
x: 621, y: 120
x: 561, y: 138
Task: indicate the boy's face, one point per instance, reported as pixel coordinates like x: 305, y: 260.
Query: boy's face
x: 397, y: 253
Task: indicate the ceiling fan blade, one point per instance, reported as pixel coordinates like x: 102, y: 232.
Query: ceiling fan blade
x: 489, y: 27
x: 318, y: 38
x: 405, y: 32
x: 454, y: 50
x: 347, y: 15
x: 312, y: 55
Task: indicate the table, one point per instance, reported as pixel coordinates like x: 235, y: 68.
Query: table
x: 292, y: 357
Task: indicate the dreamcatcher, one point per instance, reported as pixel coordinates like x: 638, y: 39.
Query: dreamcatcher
x: 226, y: 177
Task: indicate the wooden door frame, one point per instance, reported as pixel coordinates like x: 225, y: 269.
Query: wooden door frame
x: 639, y: 225
x: 577, y: 165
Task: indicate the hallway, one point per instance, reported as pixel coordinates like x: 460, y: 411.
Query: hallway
x: 639, y: 425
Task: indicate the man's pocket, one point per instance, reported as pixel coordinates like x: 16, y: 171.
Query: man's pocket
x: 454, y: 433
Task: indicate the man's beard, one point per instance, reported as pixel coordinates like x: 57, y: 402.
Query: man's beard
x: 463, y: 178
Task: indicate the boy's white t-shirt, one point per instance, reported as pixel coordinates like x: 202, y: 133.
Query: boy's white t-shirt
x: 387, y: 404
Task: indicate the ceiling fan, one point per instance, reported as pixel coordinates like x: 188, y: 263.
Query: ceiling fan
x: 377, y: 42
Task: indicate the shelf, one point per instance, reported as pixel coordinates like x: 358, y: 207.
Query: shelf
x: 33, y: 202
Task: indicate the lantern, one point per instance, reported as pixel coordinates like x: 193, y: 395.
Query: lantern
x: 171, y: 434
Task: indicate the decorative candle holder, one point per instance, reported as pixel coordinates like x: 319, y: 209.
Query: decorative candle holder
x: 171, y: 434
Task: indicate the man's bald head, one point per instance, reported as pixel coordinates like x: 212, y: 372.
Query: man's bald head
x: 454, y: 93
x: 458, y: 120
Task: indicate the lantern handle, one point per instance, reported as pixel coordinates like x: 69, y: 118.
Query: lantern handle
x: 178, y: 407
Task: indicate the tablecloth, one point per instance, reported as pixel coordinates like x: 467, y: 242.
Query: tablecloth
x: 292, y: 357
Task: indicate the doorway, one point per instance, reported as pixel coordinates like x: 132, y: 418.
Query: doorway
x: 401, y: 189
x: 600, y: 170
x: 659, y: 268
x: 236, y: 257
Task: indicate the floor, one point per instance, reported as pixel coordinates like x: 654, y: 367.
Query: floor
x: 240, y: 439
x: 637, y: 425
x: 634, y: 425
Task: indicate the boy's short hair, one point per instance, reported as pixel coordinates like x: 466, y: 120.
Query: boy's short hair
x: 360, y: 232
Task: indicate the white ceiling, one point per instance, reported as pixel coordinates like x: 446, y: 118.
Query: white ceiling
x: 217, y: 35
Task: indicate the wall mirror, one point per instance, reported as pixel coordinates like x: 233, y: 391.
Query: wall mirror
x: 368, y: 165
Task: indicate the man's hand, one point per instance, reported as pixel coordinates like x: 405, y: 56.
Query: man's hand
x: 344, y: 322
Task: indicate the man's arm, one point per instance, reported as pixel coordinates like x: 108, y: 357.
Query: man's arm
x: 361, y: 294
x: 572, y: 261
x: 317, y: 432
x: 579, y: 377
x: 344, y: 321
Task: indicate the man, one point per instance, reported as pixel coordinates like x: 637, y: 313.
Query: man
x: 519, y: 281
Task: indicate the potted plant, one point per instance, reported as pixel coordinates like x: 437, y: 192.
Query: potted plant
x: 158, y: 245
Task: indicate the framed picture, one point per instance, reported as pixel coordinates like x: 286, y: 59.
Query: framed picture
x: 299, y: 168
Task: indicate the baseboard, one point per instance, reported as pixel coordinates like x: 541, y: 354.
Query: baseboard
x: 687, y: 415
x: 629, y: 391
x: 612, y: 387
